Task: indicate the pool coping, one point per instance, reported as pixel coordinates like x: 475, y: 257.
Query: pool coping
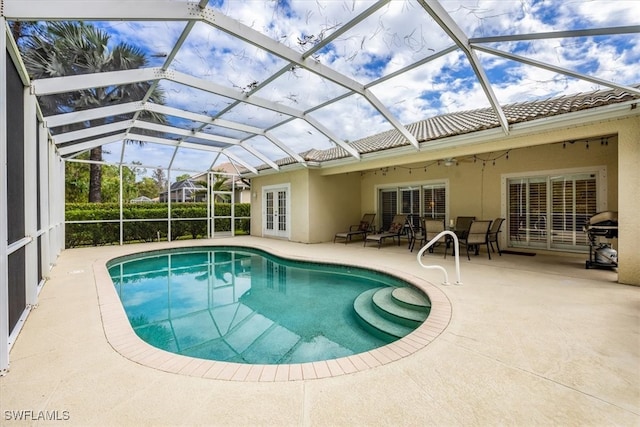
x: 123, y: 339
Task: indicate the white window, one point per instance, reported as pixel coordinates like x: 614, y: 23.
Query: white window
x: 422, y: 200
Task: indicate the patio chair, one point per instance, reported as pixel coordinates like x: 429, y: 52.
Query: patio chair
x: 395, y: 230
x: 493, y: 234
x: 433, y: 227
x: 362, y: 229
x: 462, y: 226
x: 415, y: 233
x: 478, y: 235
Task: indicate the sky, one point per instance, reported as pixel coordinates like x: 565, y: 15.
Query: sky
x: 396, y: 36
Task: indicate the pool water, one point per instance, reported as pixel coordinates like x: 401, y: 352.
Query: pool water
x: 244, y: 305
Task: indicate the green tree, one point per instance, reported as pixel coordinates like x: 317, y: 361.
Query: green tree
x: 220, y: 183
x: 76, y: 178
x: 183, y: 177
x: 59, y: 49
x: 111, y: 184
x: 22, y: 29
x: 148, y: 187
x: 160, y: 179
x: 77, y: 181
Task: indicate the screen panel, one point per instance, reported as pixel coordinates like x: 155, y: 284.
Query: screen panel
x: 17, y: 293
x: 15, y: 154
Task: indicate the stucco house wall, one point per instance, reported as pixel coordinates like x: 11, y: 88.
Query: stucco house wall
x: 319, y: 204
x: 328, y: 199
x: 475, y: 189
x: 299, y: 197
x: 335, y: 204
x: 629, y: 201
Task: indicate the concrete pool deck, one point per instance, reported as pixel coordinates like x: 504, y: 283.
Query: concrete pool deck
x: 529, y: 341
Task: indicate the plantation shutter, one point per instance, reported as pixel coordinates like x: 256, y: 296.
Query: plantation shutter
x: 528, y: 212
x: 388, y: 206
x: 517, y: 209
x: 434, y: 201
x: 421, y: 201
x: 586, y: 205
x: 573, y: 201
x: 410, y: 200
x: 411, y: 204
x: 551, y: 211
x: 538, y: 217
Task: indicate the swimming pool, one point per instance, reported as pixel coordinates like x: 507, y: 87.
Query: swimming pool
x: 244, y: 305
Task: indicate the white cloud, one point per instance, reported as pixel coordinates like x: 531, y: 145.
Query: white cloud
x: 602, y: 13
x: 396, y: 36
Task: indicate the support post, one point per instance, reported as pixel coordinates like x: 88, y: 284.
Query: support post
x: 4, y: 257
x: 45, y: 231
x: 30, y: 199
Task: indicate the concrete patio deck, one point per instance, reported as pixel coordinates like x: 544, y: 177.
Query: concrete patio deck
x: 530, y: 341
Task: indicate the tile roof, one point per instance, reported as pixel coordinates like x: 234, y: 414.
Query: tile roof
x: 459, y: 123
x: 185, y: 183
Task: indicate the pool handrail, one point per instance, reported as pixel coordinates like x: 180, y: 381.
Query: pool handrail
x: 456, y: 248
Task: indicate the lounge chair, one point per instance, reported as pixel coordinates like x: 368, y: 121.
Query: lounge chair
x: 493, y: 234
x: 395, y: 230
x: 362, y: 229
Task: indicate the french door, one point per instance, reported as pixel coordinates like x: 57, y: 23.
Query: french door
x: 276, y: 211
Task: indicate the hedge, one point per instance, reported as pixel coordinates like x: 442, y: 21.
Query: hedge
x: 95, y: 234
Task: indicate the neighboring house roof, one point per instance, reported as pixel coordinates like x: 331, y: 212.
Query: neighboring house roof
x: 228, y: 168
x: 185, y: 183
x: 141, y: 199
x: 459, y: 123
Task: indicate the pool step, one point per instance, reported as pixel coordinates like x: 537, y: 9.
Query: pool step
x: 388, y: 307
x: 379, y: 311
x: 411, y: 298
x: 269, y: 347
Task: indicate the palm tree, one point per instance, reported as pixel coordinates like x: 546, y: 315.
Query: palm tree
x: 67, y: 48
x: 220, y: 183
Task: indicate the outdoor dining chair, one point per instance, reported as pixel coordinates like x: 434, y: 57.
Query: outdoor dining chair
x: 433, y: 227
x: 477, y: 236
x: 493, y: 234
x: 415, y: 233
x: 462, y: 226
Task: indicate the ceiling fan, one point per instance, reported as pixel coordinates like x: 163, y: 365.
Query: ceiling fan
x: 452, y: 161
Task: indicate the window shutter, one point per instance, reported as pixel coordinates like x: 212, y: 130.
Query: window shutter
x: 389, y: 206
x: 551, y: 212
x: 421, y: 201
x: 573, y: 203
x: 434, y: 197
x: 411, y: 204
